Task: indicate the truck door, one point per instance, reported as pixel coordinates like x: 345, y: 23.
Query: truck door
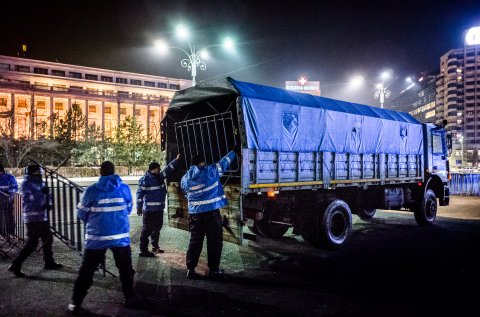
x: 439, y: 154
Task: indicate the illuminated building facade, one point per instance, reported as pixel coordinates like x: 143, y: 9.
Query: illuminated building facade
x: 33, y: 92
x: 458, y: 99
x: 418, y: 99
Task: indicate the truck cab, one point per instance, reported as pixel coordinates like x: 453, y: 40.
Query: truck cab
x: 437, y: 170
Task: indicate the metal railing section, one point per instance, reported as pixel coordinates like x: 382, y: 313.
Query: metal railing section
x: 12, y: 228
x: 210, y: 136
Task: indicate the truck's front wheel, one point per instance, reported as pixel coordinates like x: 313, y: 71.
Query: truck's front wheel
x: 426, y: 212
x: 332, y: 226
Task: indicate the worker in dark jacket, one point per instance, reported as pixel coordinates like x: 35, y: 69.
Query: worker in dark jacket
x: 36, y: 203
x: 202, y: 187
x: 151, y: 194
x: 104, y: 208
x: 8, y: 186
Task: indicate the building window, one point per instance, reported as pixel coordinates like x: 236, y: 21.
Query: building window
x: 92, y: 108
x: 120, y: 80
x: 58, y: 106
x: 74, y: 75
x: 76, y: 87
x: 56, y: 72
x: 123, y: 93
x: 175, y: 86
x: 4, y: 66
x: 108, y: 110
x: 149, y: 83
x: 162, y: 85
x: 38, y: 70
x: 138, y: 112
x: 123, y: 111
x: 107, y: 79
x: 458, y: 152
x: 91, y: 77
x: 3, y: 102
x: 135, y: 82
x: 21, y: 68
x: 151, y: 113
x: 41, y: 104
x: 22, y: 103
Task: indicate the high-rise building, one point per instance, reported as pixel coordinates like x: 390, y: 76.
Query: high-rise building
x: 418, y: 99
x: 458, y: 99
x: 34, y: 92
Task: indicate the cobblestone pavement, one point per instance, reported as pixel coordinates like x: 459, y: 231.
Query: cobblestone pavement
x: 390, y: 267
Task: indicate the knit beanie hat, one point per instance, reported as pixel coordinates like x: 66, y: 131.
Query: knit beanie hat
x: 153, y: 166
x: 107, y: 168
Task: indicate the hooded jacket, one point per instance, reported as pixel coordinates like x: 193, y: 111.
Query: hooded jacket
x: 151, y: 190
x: 202, y: 187
x: 35, y: 201
x: 104, y: 208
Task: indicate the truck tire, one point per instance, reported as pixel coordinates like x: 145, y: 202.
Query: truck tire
x: 426, y: 212
x: 332, y: 226
x: 366, y: 213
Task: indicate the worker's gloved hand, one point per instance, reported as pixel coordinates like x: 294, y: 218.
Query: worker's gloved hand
x: 139, y: 211
x: 45, y: 190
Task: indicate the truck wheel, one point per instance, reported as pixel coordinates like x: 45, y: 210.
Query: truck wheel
x: 332, y: 226
x: 366, y: 213
x: 427, y: 211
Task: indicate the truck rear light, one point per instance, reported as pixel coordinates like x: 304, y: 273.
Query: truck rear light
x: 419, y: 184
x: 271, y: 194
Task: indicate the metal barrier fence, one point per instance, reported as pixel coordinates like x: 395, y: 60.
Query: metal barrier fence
x: 12, y: 228
x: 465, y: 184
x: 63, y: 218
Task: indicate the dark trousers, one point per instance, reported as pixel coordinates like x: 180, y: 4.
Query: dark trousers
x: 205, y: 224
x: 92, y: 259
x: 152, y: 223
x: 36, y: 231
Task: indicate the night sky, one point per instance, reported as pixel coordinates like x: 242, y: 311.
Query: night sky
x: 277, y: 40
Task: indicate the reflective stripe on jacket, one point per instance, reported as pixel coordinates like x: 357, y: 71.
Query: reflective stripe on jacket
x: 152, y: 191
x: 105, y: 207
x: 202, y: 186
x: 35, y: 202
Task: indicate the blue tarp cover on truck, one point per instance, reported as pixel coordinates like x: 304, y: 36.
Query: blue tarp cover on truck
x: 280, y: 120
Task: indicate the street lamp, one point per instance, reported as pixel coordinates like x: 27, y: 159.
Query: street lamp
x: 195, y: 59
x: 382, y: 92
x: 381, y: 89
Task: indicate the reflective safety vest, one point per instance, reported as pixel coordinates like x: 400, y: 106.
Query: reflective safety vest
x: 202, y: 187
x: 8, y: 184
x: 105, y: 207
x: 35, y: 202
x: 151, y: 190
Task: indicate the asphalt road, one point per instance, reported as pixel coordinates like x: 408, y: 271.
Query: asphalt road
x: 390, y: 267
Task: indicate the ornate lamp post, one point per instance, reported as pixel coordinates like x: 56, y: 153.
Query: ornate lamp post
x: 194, y: 58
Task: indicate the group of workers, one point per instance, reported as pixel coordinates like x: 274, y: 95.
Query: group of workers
x: 105, y: 207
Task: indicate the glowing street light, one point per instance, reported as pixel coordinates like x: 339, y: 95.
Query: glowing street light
x: 195, y: 59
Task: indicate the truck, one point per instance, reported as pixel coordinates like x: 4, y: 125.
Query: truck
x: 304, y: 162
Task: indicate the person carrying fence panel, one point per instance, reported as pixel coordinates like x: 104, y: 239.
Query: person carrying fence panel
x: 8, y: 186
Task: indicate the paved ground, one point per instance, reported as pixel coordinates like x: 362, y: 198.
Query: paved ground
x: 391, y: 267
